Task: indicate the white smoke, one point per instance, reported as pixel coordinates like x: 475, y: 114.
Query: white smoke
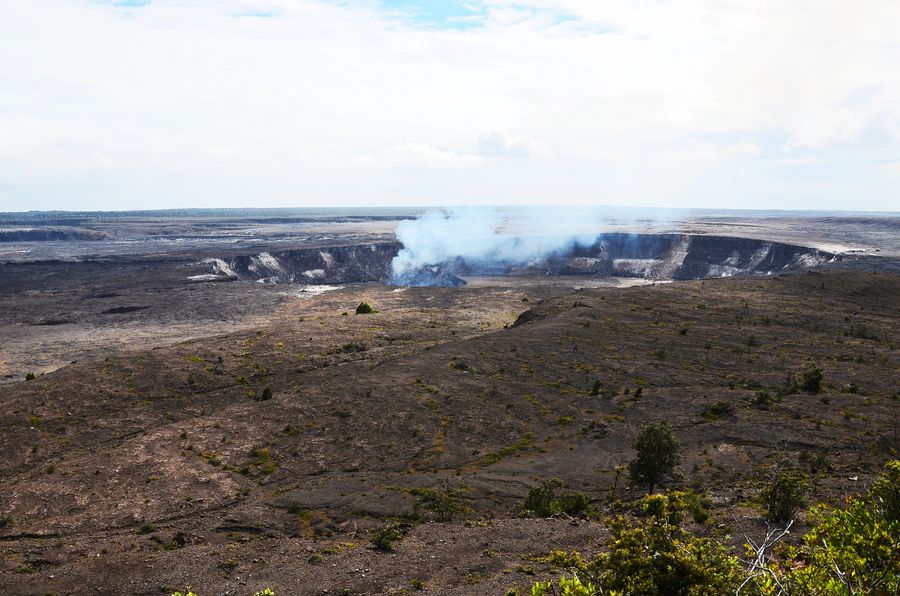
x: 480, y: 236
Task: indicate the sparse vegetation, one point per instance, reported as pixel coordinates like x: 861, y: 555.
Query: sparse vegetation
x: 651, y: 553
x: 146, y: 528
x: 552, y: 498
x: 460, y: 365
x: 658, y: 452
x: 524, y: 412
x: 716, y: 410
x: 364, y: 309
x: 784, y: 494
x: 763, y: 399
x: 352, y: 347
x: 810, y: 380
x: 383, y: 538
x: 853, y: 550
x: 445, y: 502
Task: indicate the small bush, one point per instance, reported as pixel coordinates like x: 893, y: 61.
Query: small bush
x: 460, y: 365
x: 658, y: 452
x: 817, y: 460
x: 715, y: 410
x: 784, y: 494
x: 186, y: 592
x: 147, y: 528
x: 364, y: 309
x: 567, y: 587
x: 763, y: 399
x: 264, y: 395
x: 444, y: 503
x: 551, y: 498
x: 383, y: 538
x: 30, y: 377
x: 810, y: 380
x: 352, y: 347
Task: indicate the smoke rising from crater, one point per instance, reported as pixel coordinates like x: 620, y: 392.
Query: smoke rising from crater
x: 480, y: 236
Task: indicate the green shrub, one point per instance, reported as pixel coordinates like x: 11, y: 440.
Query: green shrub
x: 650, y: 555
x: 885, y: 492
x: 817, y: 460
x: 658, y: 452
x: 564, y: 587
x: 763, y: 399
x: 364, y: 309
x: 810, y: 380
x: 146, y: 528
x: 352, y: 347
x: 460, y: 365
x: 552, y: 498
x: 855, y: 550
x: 186, y: 592
x: 384, y: 537
x: 30, y: 377
x: 784, y: 494
x: 715, y: 410
x: 444, y: 503
x: 265, y: 592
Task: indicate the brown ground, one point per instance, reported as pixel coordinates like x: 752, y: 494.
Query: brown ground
x: 107, y: 461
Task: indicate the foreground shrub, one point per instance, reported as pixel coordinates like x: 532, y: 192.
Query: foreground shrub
x: 651, y: 554
x: 551, y: 498
x: 654, y: 555
x: 854, y: 550
x: 364, y: 309
x: 564, y: 587
x: 657, y: 454
x: 784, y: 494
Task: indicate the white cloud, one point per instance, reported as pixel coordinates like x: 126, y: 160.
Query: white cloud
x: 499, y: 143
x: 183, y: 102
x: 413, y: 154
x: 744, y: 148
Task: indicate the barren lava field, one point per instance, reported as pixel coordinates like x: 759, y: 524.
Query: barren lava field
x: 153, y: 469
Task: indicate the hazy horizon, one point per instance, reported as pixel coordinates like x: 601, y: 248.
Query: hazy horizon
x: 411, y: 209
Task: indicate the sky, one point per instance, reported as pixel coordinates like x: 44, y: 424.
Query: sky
x: 141, y: 104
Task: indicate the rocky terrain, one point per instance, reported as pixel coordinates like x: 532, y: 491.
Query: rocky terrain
x: 190, y: 398
x: 267, y: 456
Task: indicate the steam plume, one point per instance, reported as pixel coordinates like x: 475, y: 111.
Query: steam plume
x: 480, y: 238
